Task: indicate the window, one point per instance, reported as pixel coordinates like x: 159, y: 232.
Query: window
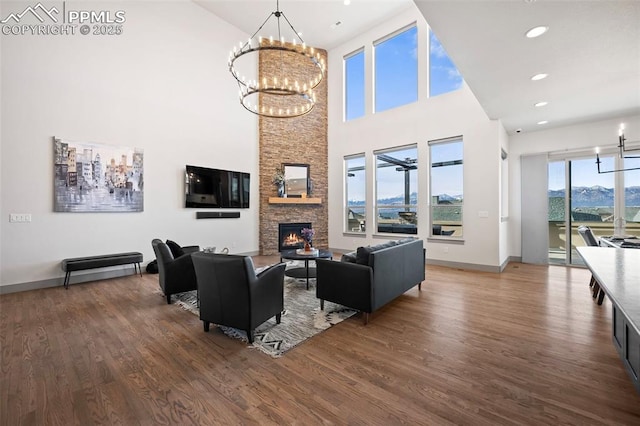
x: 396, y: 69
x: 355, y: 190
x: 589, y: 201
x: 397, y: 190
x: 443, y: 74
x: 631, y: 215
x: 446, y: 187
x: 354, y: 85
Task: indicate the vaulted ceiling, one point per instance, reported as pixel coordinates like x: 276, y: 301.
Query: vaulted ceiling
x: 591, y: 51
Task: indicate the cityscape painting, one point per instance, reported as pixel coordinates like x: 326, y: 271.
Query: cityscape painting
x: 97, y: 178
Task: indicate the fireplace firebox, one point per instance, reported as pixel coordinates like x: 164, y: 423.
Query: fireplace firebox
x: 290, y: 236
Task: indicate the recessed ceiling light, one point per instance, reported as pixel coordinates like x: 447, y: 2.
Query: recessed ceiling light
x: 539, y: 77
x: 536, y: 31
x: 541, y: 104
x: 347, y: 2
x: 543, y: 122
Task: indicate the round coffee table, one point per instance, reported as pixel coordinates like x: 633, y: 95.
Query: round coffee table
x: 305, y: 272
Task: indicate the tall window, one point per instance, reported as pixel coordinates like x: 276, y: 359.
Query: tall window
x: 446, y: 187
x: 355, y: 189
x: 443, y: 74
x: 396, y: 69
x: 354, y: 85
x: 397, y: 190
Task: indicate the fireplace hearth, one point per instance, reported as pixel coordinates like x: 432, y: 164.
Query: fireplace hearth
x: 289, y: 235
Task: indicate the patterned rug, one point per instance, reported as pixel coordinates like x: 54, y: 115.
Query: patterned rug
x: 301, y: 319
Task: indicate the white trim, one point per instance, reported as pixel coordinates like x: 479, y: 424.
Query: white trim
x: 397, y: 32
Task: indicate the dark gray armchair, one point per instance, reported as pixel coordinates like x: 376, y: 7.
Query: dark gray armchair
x: 231, y: 294
x: 176, y: 275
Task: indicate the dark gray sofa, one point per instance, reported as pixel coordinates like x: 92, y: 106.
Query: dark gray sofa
x: 372, y: 277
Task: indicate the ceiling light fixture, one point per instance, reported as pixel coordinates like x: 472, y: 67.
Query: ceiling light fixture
x: 284, y: 87
x: 543, y: 122
x: 539, y: 76
x: 536, y: 32
x: 622, y: 149
x: 541, y: 104
x: 347, y: 2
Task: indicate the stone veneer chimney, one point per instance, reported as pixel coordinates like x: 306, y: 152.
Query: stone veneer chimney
x: 293, y: 140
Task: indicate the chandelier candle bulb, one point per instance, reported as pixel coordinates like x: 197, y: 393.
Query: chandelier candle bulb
x: 284, y: 98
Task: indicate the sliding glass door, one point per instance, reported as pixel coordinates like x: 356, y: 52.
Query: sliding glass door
x: 578, y: 195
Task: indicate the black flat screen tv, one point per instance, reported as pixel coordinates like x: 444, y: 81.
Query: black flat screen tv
x: 215, y: 188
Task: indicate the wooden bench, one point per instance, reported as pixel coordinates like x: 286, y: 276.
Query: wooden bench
x: 102, y: 261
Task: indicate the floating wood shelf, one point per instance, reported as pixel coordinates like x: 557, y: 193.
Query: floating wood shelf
x: 280, y: 200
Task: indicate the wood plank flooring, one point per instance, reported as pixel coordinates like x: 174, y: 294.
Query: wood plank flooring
x: 528, y: 346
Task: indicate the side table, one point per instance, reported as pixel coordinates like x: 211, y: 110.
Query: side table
x: 306, y: 271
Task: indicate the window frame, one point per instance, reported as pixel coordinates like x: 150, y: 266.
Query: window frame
x: 345, y: 83
x: 375, y: 45
x: 429, y: 65
x: 432, y: 143
x: 345, y: 223
x: 376, y: 206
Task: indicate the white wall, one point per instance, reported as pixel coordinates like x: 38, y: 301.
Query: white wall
x: 453, y: 114
x: 163, y: 86
x: 603, y: 134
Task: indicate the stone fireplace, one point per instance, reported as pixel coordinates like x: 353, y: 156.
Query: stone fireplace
x: 299, y: 140
x: 290, y: 236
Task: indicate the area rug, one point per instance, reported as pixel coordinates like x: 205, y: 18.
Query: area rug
x: 301, y: 319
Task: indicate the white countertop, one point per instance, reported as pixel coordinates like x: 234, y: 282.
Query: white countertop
x: 618, y: 272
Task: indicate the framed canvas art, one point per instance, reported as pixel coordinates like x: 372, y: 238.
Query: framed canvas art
x: 97, y: 178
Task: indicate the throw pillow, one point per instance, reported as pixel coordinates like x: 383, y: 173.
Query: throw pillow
x: 349, y: 257
x: 362, y: 255
x: 176, y: 250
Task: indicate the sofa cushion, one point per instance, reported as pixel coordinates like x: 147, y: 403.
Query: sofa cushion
x: 406, y: 240
x: 362, y: 254
x: 349, y: 257
x: 176, y: 250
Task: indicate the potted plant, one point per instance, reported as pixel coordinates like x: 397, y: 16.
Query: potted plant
x: 307, y: 234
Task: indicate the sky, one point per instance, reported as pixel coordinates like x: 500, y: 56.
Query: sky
x: 584, y: 172
x: 396, y: 71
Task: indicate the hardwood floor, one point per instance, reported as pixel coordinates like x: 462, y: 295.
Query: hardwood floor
x: 528, y: 346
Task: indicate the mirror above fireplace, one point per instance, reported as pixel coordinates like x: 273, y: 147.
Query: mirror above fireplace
x: 296, y: 180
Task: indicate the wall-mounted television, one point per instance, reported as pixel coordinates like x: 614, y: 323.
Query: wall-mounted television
x: 215, y: 188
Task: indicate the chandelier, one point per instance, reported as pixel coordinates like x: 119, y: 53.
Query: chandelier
x: 622, y: 149
x: 285, y: 85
